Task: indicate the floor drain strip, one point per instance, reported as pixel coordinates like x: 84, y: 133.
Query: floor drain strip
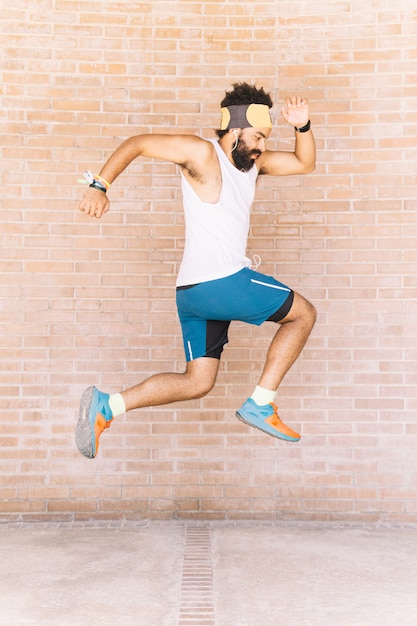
x: 196, y: 605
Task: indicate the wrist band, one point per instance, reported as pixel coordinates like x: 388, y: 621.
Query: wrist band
x: 102, y: 180
x: 303, y: 129
x: 97, y: 185
x: 98, y: 182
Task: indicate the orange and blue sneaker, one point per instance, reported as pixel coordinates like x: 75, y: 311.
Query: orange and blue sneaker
x: 266, y: 418
x: 95, y: 415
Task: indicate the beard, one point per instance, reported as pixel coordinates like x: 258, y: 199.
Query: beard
x: 243, y: 157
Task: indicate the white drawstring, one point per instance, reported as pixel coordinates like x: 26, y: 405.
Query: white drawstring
x: 256, y: 261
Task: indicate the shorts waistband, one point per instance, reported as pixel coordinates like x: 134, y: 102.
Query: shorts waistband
x: 182, y: 287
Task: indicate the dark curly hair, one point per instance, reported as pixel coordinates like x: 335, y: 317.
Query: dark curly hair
x: 243, y: 93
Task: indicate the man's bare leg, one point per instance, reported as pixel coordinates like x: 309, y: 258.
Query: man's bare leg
x: 288, y: 342
x: 197, y: 380
x: 259, y: 410
x: 97, y: 408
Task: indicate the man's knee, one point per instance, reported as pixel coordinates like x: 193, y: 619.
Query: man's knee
x: 311, y: 312
x: 301, y: 310
x: 201, y: 375
x: 201, y: 390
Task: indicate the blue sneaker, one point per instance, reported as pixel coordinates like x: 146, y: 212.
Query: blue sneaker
x: 95, y: 415
x: 266, y: 418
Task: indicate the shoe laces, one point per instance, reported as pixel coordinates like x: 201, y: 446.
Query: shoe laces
x: 275, y: 407
x: 106, y: 412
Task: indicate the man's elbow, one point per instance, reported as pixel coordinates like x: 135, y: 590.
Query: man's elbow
x: 309, y: 167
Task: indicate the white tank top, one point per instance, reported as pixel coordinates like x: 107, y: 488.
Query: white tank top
x: 216, y: 234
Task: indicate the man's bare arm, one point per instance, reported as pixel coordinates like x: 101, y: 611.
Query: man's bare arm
x: 302, y: 160
x: 180, y: 149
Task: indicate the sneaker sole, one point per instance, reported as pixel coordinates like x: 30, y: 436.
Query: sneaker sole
x: 280, y: 436
x: 83, y: 437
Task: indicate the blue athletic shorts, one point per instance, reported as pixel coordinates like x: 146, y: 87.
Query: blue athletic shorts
x: 206, y: 309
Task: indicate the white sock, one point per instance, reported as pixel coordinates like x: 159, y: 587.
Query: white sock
x: 262, y: 396
x: 117, y: 404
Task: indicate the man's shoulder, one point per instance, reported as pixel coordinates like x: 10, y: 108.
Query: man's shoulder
x: 199, y: 151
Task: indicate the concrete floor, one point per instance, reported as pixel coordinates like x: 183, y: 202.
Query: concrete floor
x: 220, y: 574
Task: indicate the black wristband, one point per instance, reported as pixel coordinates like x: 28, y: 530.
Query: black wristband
x: 303, y: 129
x: 96, y: 185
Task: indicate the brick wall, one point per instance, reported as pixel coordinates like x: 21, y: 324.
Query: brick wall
x: 85, y: 302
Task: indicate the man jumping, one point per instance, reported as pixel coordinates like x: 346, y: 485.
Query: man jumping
x: 216, y: 284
